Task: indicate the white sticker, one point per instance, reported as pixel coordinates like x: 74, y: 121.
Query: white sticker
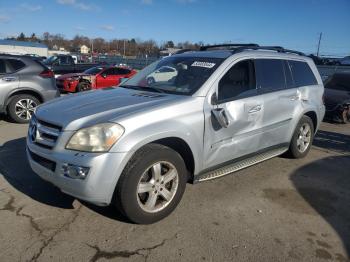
x: 203, y: 64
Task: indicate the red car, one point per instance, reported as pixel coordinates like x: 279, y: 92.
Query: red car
x: 93, y: 78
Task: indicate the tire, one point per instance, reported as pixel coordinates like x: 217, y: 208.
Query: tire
x: 301, y: 143
x: 21, y: 108
x: 134, y: 201
x: 150, y: 81
x: 83, y: 86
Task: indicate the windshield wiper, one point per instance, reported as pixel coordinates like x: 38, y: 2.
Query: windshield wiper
x: 149, y: 88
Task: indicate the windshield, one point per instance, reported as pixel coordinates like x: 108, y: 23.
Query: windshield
x: 50, y: 60
x: 177, y: 75
x: 93, y: 70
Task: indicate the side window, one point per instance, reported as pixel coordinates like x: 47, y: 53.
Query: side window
x: 238, y: 82
x: 270, y: 74
x: 15, y: 64
x: 2, y: 66
x: 109, y: 72
x: 302, y: 73
x: 288, y: 75
x: 63, y: 60
x: 121, y: 71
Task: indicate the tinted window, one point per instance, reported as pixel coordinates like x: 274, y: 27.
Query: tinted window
x: 238, y: 82
x: 339, y: 82
x: 121, y: 71
x: 108, y: 72
x: 288, y: 75
x: 15, y: 64
x: 302, y: 74
x: 64, y: 60
x: 2, y: 67
x: 270, y: 74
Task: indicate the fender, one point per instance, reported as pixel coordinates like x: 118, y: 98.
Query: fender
x: 134, y: 140
x: 21, y: 90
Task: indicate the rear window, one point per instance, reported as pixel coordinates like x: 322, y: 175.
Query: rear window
x: 270, y: 74
x: 15, y: 64
x: 339, y: 82
x: 302, y: 74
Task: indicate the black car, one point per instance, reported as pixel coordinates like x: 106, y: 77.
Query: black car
x: 337, y: 97
x: 64, y: 64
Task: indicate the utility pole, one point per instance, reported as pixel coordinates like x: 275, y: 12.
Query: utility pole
x: 319, y: 44
x: 124, y: 47
x: 92, y: 48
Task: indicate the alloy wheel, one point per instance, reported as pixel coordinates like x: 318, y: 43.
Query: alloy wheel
x: 157, y: 187
x: 25, y: 108
x: 304, y: 138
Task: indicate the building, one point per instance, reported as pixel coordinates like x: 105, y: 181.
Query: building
x: 84, y: 49
x: 22, y: 48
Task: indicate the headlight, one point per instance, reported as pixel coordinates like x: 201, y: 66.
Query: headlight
x: 98, y: 138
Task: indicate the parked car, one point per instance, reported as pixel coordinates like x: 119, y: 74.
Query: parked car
x: 64, y: 64
x: 165, y: 73
x: 93, y: 78
x: 337, y: 97
x: 137, y: 146
x: 24, y: 84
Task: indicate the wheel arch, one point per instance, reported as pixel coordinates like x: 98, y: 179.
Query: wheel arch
x: 23, y: 92
x: 313, y: 116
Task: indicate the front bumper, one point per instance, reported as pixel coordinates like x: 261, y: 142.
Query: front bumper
x: 67, y: 86
x: 97, y: 188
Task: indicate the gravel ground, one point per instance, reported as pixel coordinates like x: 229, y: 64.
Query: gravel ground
x: 279, y: 210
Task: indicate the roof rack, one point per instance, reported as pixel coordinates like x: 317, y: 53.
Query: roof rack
x: 226, y: 46
x: 236, y: 48
x: 278, y: 49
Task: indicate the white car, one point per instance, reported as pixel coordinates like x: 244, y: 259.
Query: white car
x: 163, y: 74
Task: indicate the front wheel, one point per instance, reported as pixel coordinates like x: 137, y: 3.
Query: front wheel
x: 83, y: 86
x: 302, y: 138
x: 151, y: 185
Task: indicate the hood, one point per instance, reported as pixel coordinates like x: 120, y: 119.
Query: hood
x: 104, y: 105
x: 65, y: 76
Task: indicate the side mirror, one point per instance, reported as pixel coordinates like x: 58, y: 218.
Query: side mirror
x: 221, y: 117
x: 104, y: 75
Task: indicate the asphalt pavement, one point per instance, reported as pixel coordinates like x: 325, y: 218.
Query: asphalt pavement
x: 278, y: 210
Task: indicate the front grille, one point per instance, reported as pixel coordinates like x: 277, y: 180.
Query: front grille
x: 51, y: 165
x: 47, y: 134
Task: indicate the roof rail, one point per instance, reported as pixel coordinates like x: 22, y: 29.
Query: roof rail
x: 236, y: 48
x: 228, y: 46
x: 278, y: 49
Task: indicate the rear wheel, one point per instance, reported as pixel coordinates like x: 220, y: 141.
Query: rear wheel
x: 83, y: 86
x: 22, y: 107
x: 302, y: 138
x: 151, y: 185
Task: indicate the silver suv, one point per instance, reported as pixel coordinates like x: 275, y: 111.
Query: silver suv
x: 24, y: 84
x: 136, y: 146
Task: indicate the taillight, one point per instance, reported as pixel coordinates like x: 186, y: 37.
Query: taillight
x: 47, y: 73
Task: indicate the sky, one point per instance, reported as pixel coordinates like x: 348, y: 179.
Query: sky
x: 293, y: 24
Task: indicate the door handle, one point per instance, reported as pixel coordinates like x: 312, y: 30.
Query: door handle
x: 255, y: 109
x: 9, y: 79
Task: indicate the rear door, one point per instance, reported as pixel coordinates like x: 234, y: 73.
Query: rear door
x: 280, y: 100
x: 238, y: 99
x: 9, y: 79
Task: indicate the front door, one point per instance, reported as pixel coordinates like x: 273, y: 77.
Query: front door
x: 237, y: 97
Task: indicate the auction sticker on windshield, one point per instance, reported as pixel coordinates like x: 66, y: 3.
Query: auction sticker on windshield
x: 203, y: 64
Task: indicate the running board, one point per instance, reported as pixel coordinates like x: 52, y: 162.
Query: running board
x: 249, y: 161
